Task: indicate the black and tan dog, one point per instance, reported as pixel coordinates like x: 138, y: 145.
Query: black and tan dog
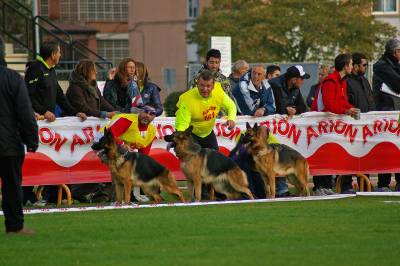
x: 208, y: 166
x: 133, y: 168
x: 273, y: 160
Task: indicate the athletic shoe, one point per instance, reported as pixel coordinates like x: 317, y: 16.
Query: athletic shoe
x: 319, y: 192
x: 348, y: 191
x: 384, y: 189
x: 40, y: 203
x: 328, y: 191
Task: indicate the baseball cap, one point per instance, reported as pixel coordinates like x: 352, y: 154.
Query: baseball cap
x: 296, y: 71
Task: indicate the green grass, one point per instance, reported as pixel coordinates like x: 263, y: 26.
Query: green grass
x: 353, y: 231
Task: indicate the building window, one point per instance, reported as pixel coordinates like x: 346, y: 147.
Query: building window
x: 169, y: 77
x: 44, y: 8
x: 94, y: 10
x: 104, y: 10
x: 193, y: 8
x: 385, y: 6
x: 113, y: 50
x: 69, y: 10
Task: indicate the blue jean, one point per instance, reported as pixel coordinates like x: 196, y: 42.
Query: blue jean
x: 281, y: 185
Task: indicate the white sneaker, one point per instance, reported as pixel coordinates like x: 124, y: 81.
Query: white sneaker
x: 141, y: 198
x: 138, y: 196
x: 328, y: 191
x: 319, y: 192
x: 40, y: 203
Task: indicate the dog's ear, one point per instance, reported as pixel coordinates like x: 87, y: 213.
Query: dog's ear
x: 189, y: 130
x: 248, y: 126
x: 264, y: 132
x: 108, y: 133
x: 255, y: 127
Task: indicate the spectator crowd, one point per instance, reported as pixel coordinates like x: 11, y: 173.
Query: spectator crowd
x: 131, y: 100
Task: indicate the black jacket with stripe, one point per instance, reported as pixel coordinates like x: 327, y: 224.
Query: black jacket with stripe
x: 44, y: 90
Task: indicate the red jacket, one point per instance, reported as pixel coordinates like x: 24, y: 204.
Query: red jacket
x: 334, y: 95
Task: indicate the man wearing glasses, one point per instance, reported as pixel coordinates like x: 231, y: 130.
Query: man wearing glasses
x: 359, y: 90
x: 135, y: 132
x: 359, y: 93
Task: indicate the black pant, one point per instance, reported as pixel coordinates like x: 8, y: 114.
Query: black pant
x: 11, y: 177
x: 384, y: 179
x: 322, y: 181
x: 210, y: 142
x: 347, y: 182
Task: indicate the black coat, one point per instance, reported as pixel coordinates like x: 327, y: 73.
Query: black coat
x: 386, y: 70
x: 44, y: 90
x: 285, y: 97
x: 359, y: 93
x: 17, y: 120
x: 92, y: 103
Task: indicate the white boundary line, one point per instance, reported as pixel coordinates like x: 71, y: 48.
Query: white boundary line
x: 137, y: 206
x: 378, y: 193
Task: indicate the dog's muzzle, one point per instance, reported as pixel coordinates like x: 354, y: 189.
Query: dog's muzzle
x: 170, y: 145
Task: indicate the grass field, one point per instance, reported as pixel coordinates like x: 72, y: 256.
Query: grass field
x: 352, y: 231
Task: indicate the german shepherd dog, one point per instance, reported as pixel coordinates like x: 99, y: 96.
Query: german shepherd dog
x: 273, y: 160
x: 201, y: 165
x: 133, y: 168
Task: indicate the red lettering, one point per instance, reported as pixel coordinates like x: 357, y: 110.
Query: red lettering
x: 295, y: 133
x: 340, y: 127
x: 88, y: 132
x: 394, y: 125
x: 377, y: 126
x: 45, y: 135
x: 218, y: 126
x: 350, y: 131
x: 167, y: 130
x: 322, y: 127
x: 311, y: 133
x: 366, y: 133
x: 235, y: 133
x: 225, y: 133
x: 75, y: 141
x: 58, y: 141
x: 283, y: 127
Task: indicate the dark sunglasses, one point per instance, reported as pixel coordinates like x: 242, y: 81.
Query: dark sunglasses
x: 365, y: 65
x: 150, y: 112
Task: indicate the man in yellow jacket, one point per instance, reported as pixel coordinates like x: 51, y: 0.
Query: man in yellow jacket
x: 136, y: 132
x: 199, y: 107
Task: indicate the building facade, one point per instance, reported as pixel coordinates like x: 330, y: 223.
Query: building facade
x: 157, y: 37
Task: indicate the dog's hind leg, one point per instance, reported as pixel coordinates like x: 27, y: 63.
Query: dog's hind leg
x: 153, y: 191
x: 238, y: 181
x: 169, y: 184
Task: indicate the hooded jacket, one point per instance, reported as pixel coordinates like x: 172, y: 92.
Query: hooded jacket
x: 332, y: 95
x: 249, y: 99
